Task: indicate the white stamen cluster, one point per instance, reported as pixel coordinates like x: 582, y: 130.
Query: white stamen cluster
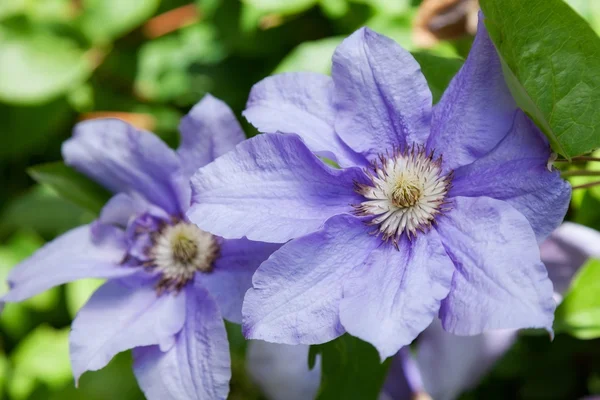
x: 180, y: 251
x: 406, y: 193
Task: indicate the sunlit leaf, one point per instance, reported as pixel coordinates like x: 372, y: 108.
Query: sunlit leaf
x: 104, y: 20
x: 579, y: 312
x: 43, y: 356
x: 552, y: 64
x: 37, y: 65
x: 312, y: 56
x: 282, y: 7
x: 334, y: 8
x: 588, y: 9
x: 79, y: 292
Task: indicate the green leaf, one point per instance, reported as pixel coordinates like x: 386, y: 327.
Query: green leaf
x: 20, y: 133
x: 551, y: 62
x: 387, y: 7
x: 170, y: 67
x: 42, y: 211
x: 71, y: 185
x: 43, y: 356
x: 288, y: 7
x: 334, y: 8
x: 79, y: 292
x: 351, y: 369
x: 438, y: 71
x: 37, y: 65
x: 105, y: 20
x: 314, y: 56
x: 579, y: 312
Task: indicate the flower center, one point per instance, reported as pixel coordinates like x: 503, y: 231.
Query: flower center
x: 181, y: 250
x: 406, y: 193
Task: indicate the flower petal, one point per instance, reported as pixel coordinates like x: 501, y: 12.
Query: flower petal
x: 300, y: 103
x: 79, y: 253
x: 566, y: 250
x: 270, y: 188
x: 396, y: 294
x: 120, y: 208
x: 403, y: 381
x: 382, y: 97
x: 124, y: 159
x: 281, y: 370
x: 198, y: 366
x: 296, y: 292
x: 516, y: 171
x: 231, y: 277
x: 208, y: 131
x: 476, y: 110
x: 451, y: 364
x: 119, y: 317
x: 500, y: 282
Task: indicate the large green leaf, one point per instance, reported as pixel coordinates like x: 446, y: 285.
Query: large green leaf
x: 350, y: 369
x: 552, y: 64
x: 579, y: 313
x: 71, y: 185
x: 37, y: 65
x: 104, y: 20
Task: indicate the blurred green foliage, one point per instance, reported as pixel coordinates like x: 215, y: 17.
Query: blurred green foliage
x: 148, y: 62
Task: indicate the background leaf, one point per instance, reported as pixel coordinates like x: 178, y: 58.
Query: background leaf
x: 351, y: 369
x: 71, y: 185
x: 103, y: 20
x: 281, y: 7
x: 579, y: 313
x: 32, y: 74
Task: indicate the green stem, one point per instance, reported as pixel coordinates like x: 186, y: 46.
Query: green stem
x: 587, y: 185
x: 580, y: 159
x: 580, y: 173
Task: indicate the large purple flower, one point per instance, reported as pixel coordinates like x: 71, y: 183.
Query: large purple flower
x: 434, y: 210
x: 170, y: 283
x: 445, y: 364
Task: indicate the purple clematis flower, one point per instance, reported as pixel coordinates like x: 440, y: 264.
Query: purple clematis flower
x: 435, y: 210
x: 451, y: 364
x: 445, y: 365
x: 170, y: 284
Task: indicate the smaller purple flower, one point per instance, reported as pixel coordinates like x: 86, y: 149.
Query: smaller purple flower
x: 445, y: 365
x: 170, y: 284
x: 435, y: 211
